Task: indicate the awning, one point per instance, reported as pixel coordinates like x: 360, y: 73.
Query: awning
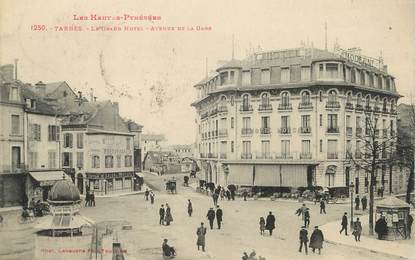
x: 48, y: 178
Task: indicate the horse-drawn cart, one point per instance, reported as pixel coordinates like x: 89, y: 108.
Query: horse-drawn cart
x: 171, y: 186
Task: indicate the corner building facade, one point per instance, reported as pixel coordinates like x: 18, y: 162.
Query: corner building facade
x: 289, y: 118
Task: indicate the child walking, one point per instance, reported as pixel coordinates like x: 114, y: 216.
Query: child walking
x: 262, y: 225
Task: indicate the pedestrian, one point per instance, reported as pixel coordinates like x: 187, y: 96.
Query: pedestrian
x: 32, y: 205
x: 168, y: 216
x: 301, y: 211
x: 410, y: 221
x: 228, y: 194
x: 306, y: 218
x: 270, y: 223
x: 303, y: 240
x: 146, y: 194
x: 211, y: 217
x: 87, y: 198
x: 152, y: 197
x: 261, y: 225
x: 322, y: 207
x: 186, y: 181
x: 245, y: 194
x: 316, y: 240
x: 168, y: 251
x: 215, y: 197
x: 357, y: 202
x: 219, y: 216
x: 381, y: 227
x: 357, y: 229
x: 161, y: 213
x: 189, y: 208
x: 92, y: 199
x: 201, y: 233
x: 364, y: 202
x: 222, y: 194
x: 344, y: 223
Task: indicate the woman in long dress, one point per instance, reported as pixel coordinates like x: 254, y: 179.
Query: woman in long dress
x: 201, y: 233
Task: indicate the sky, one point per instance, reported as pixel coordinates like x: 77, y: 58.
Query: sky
x: 151, y: 74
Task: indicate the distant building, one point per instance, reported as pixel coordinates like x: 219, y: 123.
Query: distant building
x: 182, y: 150
x: 136, y: 129
x: 162, y: 162
x: 153, y: 142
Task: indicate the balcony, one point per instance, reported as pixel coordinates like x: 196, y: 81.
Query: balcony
x: 204, y: 115
x: 394, y: 111
x: 284, y: 156
x: 223, y: 133
x: 213, y: 112
x: 210, y: 155
x: 376, y: 109
x: 246, y: 156
x: 222, y: 109
x: 368, y: 109
x: 385, y: 110
x: 349, y: 131
x: 247, y: 131
x: 265, y: 108
x: 202, y: 155
x: 332, y: 156
x: 245, y: 108
x: 264, y: 156
x: 333, y: 130
x: 284, y: 130
x: 349, y: 106
x: 285, y: 107
x: 359, y: 131
x: 306, y: 156
x: 222, y: 155
x: 359, y: 107
x: 305, y: 106
x: 304, y: 130
x: 265, y: 131
x: 333, y: 104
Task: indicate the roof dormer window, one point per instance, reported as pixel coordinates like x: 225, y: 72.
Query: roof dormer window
x: 14, y: 93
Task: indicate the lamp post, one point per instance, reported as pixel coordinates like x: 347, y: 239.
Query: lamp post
x: 105, y: 187
x: 351, y: 186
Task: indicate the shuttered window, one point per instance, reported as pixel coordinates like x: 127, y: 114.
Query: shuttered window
x: 246, y: 78
x: 15, y: 130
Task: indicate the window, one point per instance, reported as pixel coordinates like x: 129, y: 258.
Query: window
x: 285, y: 75
x: 265, y: 122
x: 305, y: 73
x: 320, y: 95
x: 321, y: 120
x: 380, y: 81
x: 348, y: 148
x: 67, y: 159
x: 321, y: 146
x: 321, y: 70
x: 128, y: 161
x: 349, y: 98
x: 332, y: 70
x: 371, y: 80
x: 362, y: 77
x: 295, y: 73
x: 232, y: 147
x: 52, y: 159
x: 285, y: 99
x: 348, y: 121
x: 367, y: 125
x: 95, y: 161
x: 305, y: 98
x: 285, y: 122
x: 35, y: 132
x: 224, y: 78
x: 246, y: 147
x: 68, y: 140
x: 332, y: 147
x: 15, y: 125
x: 332, y: 121
x: 33, y: 160
x: 80, y: 159
x: 358, y: 125
x: 359, y: 100
x: 353, y: 76
x: 223, y: 123
x: 80, y: 140
x: 265, y: 149
x: 245, y: 102
x: 109, y: 161
x: 232, y: 122
x: 14, y: 94
x: 305, y: 146
x: 246, y: 78
x: 265, y: 76
x: 285, y: 148
x: 305, y: 121
x: 385, y: 105
x: 265, y: 99
x: 128, y: 143
x: 53, y: 133
x: 332, y: 96
x: 232, y: 78
x: 246, y: 122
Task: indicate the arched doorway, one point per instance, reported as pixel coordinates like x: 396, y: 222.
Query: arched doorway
x: 80, y: 182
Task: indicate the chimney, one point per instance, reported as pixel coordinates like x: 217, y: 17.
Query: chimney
x: 385, y: 68
x: 6, y: 73
x: 80, y: 94
x: 41, y: 88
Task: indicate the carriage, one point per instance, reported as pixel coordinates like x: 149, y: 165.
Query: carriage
x: 171, y: 186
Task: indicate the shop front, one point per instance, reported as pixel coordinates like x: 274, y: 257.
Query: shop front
x: 39, y: 183
x: 112, y: 182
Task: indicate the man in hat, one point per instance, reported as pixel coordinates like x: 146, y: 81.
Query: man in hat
x: 344, y: 223
x: 316, y: 240
x: 219, y: 215
x: 303, y: 240
x: 270, y: 223
x: 161, y: 213
x: 211, y: 217
x: 201, y: 233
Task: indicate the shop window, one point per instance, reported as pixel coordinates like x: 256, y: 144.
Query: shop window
x: 95, y: 161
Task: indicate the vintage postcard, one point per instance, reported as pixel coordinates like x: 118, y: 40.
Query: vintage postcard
x: 200, y: 129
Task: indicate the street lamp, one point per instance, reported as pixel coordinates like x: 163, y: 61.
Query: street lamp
x: 351, y: 186
x: 105, y: 187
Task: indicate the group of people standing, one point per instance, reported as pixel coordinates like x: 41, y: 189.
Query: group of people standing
x: 316, y: 240
x: 165, y: 215
x: 89, y: 198
x: 357, y: 202
x: 150, y: 194
x: 211, y: 214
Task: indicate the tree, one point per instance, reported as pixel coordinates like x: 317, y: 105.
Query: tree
x: 405, y: 154
x: 373, y: 150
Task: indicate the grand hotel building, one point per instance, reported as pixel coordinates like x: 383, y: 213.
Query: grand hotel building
x: 288, y: 118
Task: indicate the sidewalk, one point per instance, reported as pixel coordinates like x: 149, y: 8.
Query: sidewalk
x: 143, y: 189
x: 6, y: 209
x: 402, y: 249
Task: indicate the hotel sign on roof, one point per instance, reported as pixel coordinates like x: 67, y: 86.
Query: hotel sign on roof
x: 359, y: 59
